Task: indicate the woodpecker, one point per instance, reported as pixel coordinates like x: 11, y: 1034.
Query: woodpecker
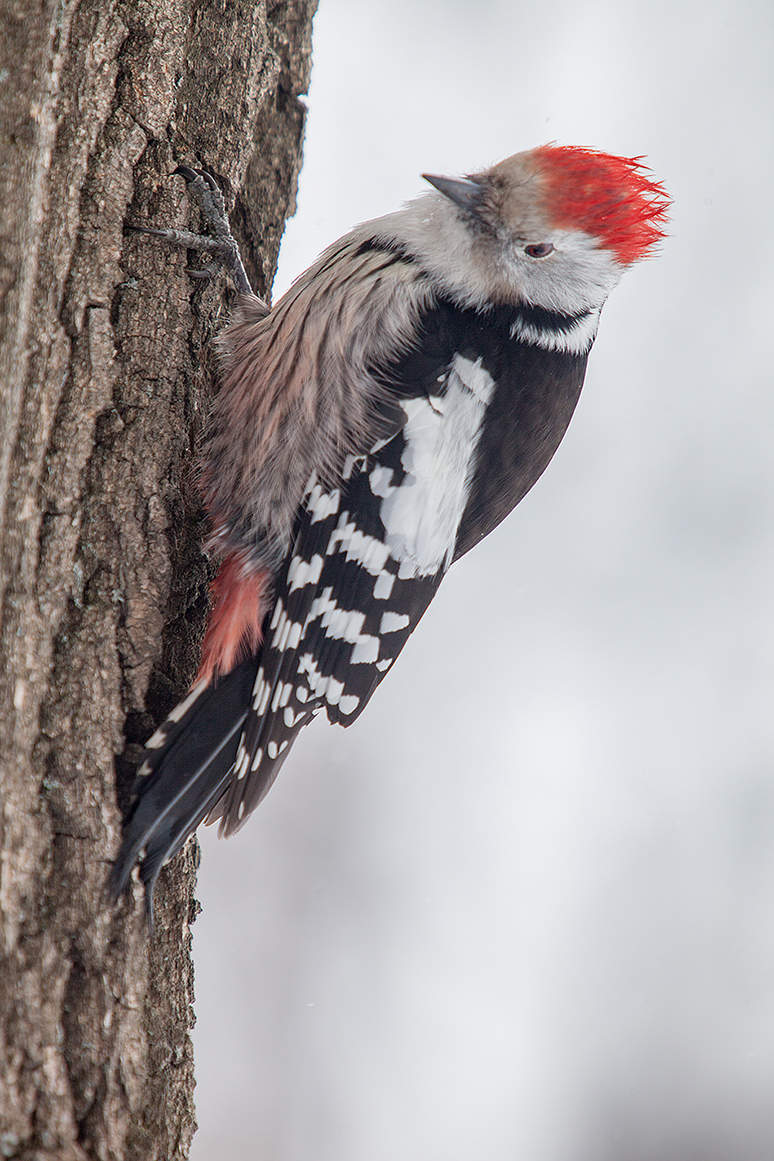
x: 392, y: 408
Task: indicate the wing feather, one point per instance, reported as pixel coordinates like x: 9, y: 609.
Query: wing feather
x: 343, y: 611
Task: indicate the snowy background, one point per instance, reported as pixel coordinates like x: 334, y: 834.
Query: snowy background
x: 525, y: 907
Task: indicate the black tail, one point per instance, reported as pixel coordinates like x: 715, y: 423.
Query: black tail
x: 187, y: 768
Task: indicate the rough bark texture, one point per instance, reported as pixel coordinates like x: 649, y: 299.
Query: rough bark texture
x: 105, y: 374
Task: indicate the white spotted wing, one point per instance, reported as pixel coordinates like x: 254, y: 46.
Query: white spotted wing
x: 367, y: 558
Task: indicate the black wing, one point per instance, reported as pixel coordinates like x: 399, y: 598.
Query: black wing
x: 344, y: 609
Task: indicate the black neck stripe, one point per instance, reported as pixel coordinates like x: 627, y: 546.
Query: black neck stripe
x: 548, y: 320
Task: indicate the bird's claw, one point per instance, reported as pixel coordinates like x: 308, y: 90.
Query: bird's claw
x: 222, y: 247
x: 207, y: 195
x: 203, y: 272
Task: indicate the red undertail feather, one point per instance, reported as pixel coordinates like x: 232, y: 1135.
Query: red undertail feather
x: 614, y: 198
x: 239, y: 601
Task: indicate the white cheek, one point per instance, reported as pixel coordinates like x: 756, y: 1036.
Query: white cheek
x: 576, y: 277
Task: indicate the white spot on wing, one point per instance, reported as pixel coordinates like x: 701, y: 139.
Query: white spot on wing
x: 392, y: 622
x: 302, y: 573
x: 365, y: 550
x: 281, y: 695
x: 243, y: 759
x: 347, y: 625
x: 350, y: 463
x: 343, y: 624
x: 383, y: 586
x: 287, y: 633
x: 321, y: 686
x: 322, y: 504
x: 261, y: 695
x: 380, y: 480
x: 366, y: 651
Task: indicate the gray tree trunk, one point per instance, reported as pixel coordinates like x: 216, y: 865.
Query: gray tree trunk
x: 105, y: 375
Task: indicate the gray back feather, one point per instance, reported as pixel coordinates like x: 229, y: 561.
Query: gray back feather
x: 299, y: 389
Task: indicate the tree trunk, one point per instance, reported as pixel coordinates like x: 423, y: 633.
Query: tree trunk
x: 105, y: 373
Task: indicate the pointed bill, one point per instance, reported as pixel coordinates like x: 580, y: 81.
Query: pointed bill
x: 462, y: 191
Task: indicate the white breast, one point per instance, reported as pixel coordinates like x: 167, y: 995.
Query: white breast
x: 422, y: 514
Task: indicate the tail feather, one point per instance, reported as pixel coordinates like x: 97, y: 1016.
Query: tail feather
x: 167, y: 841
x: 185, y: 772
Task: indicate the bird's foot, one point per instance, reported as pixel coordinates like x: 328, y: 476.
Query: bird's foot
x: 221, y: 246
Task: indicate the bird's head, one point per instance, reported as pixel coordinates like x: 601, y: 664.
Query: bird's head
x: 553, y: 227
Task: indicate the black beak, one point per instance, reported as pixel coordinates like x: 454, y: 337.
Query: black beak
x: 466, y: 194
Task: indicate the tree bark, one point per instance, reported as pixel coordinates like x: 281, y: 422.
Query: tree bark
x: 105, y: 373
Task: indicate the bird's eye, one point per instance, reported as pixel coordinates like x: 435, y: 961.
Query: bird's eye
x: 539, y: 250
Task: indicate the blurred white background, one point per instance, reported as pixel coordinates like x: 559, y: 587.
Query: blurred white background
x: 525, y: 907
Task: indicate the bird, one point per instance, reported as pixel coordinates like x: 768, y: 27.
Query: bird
x: 370, y: 429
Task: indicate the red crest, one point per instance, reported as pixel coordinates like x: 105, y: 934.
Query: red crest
x: 614, y: 198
